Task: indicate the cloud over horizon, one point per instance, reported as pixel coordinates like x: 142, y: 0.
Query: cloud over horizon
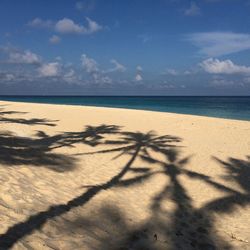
x: 24, y: 57
x: 118, y: 67
x: 49, y: 69
x: 215, y: 66
x: 219, y: 43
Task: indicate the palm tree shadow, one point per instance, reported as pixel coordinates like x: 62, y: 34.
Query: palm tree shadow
x: 91, y: 135
x: 238, y: 171
x: 17, y: 151
x: 31, y: 121
x: 2, y: 113
x: 191, y: 228
x: 187, y: 227
x: 134, y: 143
x: 38, y: 151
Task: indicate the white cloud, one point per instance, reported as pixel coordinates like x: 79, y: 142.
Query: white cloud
x: 68, y: 26
x: 162, y: 85
x: 89, y: 64
x: 105, y: 80
x: 188, y: 72
x: 70, y: 76
x: 93, y: 26
x: 25, y: 57
x: 7, y: 77
x: 10, y: 77
x: 55, y: 39
x: 222, y: 82
x: 139, y: 68
x: 225, y: 81
x: 58, y: 58
x: 56, y: 69
x: 215, y: 66
x: 172, y: 72
x: 118, y: 67
x: 220, y: 43
x: 193, y: 10
x: 50, y: 69
x: 175, y: 72
x: 98, y: 76
x: 39, y: 23
x: 138, y: 77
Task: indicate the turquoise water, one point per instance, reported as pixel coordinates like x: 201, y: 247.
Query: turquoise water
x: 223, y: 107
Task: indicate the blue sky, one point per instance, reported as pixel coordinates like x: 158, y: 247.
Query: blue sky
x: 132, y: 47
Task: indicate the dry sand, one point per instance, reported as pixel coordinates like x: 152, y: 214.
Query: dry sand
x: 76, y: 177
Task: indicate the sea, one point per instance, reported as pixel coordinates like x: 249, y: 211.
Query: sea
x: 231, y: 107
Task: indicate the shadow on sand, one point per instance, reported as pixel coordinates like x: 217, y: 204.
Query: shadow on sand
x: 31, y: 121
x: 186, y: 227
x: 132, y: 143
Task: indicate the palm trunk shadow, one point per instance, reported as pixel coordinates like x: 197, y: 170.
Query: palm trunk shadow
x: 18, y: 231
x: 191, y: 228
x: 187, y: 227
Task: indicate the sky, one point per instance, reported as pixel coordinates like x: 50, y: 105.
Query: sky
x: 132, y: 47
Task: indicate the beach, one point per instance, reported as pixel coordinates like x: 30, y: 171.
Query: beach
x: 75, y: 177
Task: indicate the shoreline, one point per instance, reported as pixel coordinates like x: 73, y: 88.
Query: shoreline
x: 127, y: 109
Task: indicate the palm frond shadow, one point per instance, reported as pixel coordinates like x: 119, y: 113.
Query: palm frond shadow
x: 16, y: 151
x: 2, y: 113
x: 238, y: 171
x: 132, y: 140
x: 137, y: 142
x: 186, y: 228
x: 195, y: 227
x: 38, y: 150
x: 30, y: 121
x: 91, y: 135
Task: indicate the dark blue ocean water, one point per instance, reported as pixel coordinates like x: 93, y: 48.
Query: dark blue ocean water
x: 223, y: 107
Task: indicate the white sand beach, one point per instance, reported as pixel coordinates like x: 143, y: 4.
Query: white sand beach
x: 74, y: 177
